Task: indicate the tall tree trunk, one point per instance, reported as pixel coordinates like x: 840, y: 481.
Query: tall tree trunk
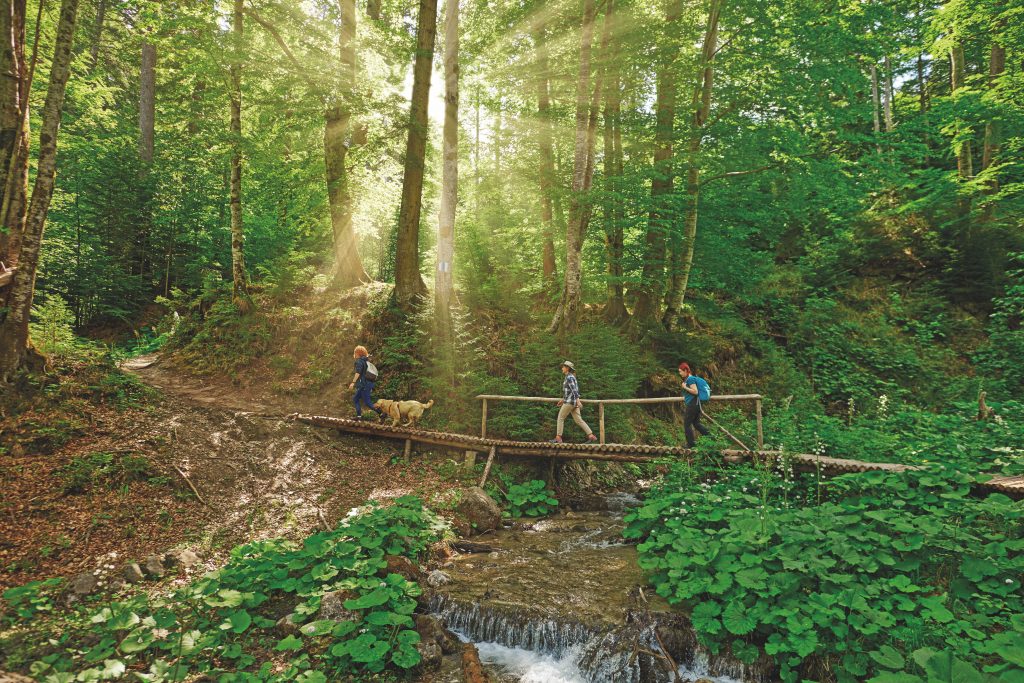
x: 14, y: 344
x: 615, y: 310
x: 450, y: 176
x: 147, y: 121
x: 996, y: 66
x: 887, y: 95
x: 922, y: 85
x: 544, y: 143
x: 566, y: 318
x: 348, y: 266
x: 13, y: 127
x: 239, y: 277
x: 147, y: 103
x: 876, y: 118
x: 11, y: 55
x: 409, y: 283
x: 660, y: 218
x: 97, y: 35
x: 701, y: 105
x: 963, y: 155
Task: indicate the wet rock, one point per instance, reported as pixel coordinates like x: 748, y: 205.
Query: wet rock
x: 83, y: 584
x: 332, y: 606
x: 287, y: 625
x: 398, y: 564
x: 132, y: 573
x: 437, y: 578
x: 479, y: 510
x: 13, y: 678
x: 430, y: 628
x: 182, y: 558
x: 153, y: 567
x: 434, y: 641
x: 472, y: 668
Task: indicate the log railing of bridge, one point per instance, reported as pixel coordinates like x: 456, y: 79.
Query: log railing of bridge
x: 602, y: 402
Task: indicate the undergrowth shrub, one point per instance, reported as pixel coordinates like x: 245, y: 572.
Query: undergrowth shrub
x: 85, y: 472
x: 834, y: 579
x: 530, y: 499
x: 221, y: 625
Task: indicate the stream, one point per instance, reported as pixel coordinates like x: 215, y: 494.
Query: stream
x: 562, y: 600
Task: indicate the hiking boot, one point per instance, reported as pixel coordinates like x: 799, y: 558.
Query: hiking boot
x: 557, y: 439
x: 591, y: 437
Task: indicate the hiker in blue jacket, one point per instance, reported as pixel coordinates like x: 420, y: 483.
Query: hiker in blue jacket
x: 362, y: 384
x: 694, y: 388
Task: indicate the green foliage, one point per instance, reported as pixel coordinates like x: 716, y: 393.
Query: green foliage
x: 28, y: 601
x: 84, y: 472
x: 878, y: 561
x: 1001, y: 354
x: 219, y: 626
x: 531, y: 499
x: 51, y: 327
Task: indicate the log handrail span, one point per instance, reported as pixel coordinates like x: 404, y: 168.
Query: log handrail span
x: 602, y: 402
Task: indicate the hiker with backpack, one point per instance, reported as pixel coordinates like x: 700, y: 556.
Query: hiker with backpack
x: 696, y: 390
x: 362, y: 382
x: 571, y: 403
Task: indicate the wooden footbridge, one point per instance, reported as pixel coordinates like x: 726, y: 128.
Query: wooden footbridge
x: 617, y: 452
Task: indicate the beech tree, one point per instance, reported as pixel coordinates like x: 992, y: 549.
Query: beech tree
x: 14, y: 341
x: 443, y: 287
x: 409, y: 283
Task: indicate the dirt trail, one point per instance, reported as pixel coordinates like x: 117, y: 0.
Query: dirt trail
x: 249, y: 462
x: 259, y: 476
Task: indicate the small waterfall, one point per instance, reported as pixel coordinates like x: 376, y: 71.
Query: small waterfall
x: 528, y: 648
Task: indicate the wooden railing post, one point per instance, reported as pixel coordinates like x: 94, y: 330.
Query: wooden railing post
x: 760, y: 426
x: 600, y: 421
x: 483, y: 420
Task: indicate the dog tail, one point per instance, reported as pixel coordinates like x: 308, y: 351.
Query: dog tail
x: 428, y: 404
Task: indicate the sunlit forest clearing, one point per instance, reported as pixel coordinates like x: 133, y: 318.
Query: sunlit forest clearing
x: 538, y: 342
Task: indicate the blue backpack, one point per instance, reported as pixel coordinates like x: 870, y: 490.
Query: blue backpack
x: 703, y: 389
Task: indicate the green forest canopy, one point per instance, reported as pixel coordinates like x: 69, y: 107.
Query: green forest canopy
x: 782, y: 145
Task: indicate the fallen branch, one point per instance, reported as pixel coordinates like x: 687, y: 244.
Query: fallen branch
x: 190, y: 485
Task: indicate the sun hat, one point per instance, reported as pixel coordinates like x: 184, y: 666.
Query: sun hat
x: 569, y: 365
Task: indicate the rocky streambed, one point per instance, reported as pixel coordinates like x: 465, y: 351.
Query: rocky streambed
x: 562, y: 600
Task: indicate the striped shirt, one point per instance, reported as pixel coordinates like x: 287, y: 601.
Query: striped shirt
x: 570, y: 389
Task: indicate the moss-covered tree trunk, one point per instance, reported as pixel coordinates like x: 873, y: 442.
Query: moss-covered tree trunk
x: 409, y: 283
x: 239, y: 277
x: 14, y: 342
x: 648, y: 292
x: 615, y: 309
x: 14, y: 140
x: 682, y: 261
x: 566, y: 318
x: 443, y: 286
x: 545, y: 145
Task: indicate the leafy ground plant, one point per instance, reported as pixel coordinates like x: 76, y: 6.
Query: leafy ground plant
x: 532, y: 499
x: 222, y: 624
x: 846, y: 588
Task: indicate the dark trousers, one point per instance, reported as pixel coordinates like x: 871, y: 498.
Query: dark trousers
x: 691, y: 421
x: 363, y: 393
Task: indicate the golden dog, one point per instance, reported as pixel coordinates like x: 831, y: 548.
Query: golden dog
x: 410, y: 411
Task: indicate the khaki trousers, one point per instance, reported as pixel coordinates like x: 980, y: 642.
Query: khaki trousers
x: 566, y: 410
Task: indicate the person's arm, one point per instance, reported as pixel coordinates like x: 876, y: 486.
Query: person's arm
x: 355, y: 377
x: 690, y: 388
